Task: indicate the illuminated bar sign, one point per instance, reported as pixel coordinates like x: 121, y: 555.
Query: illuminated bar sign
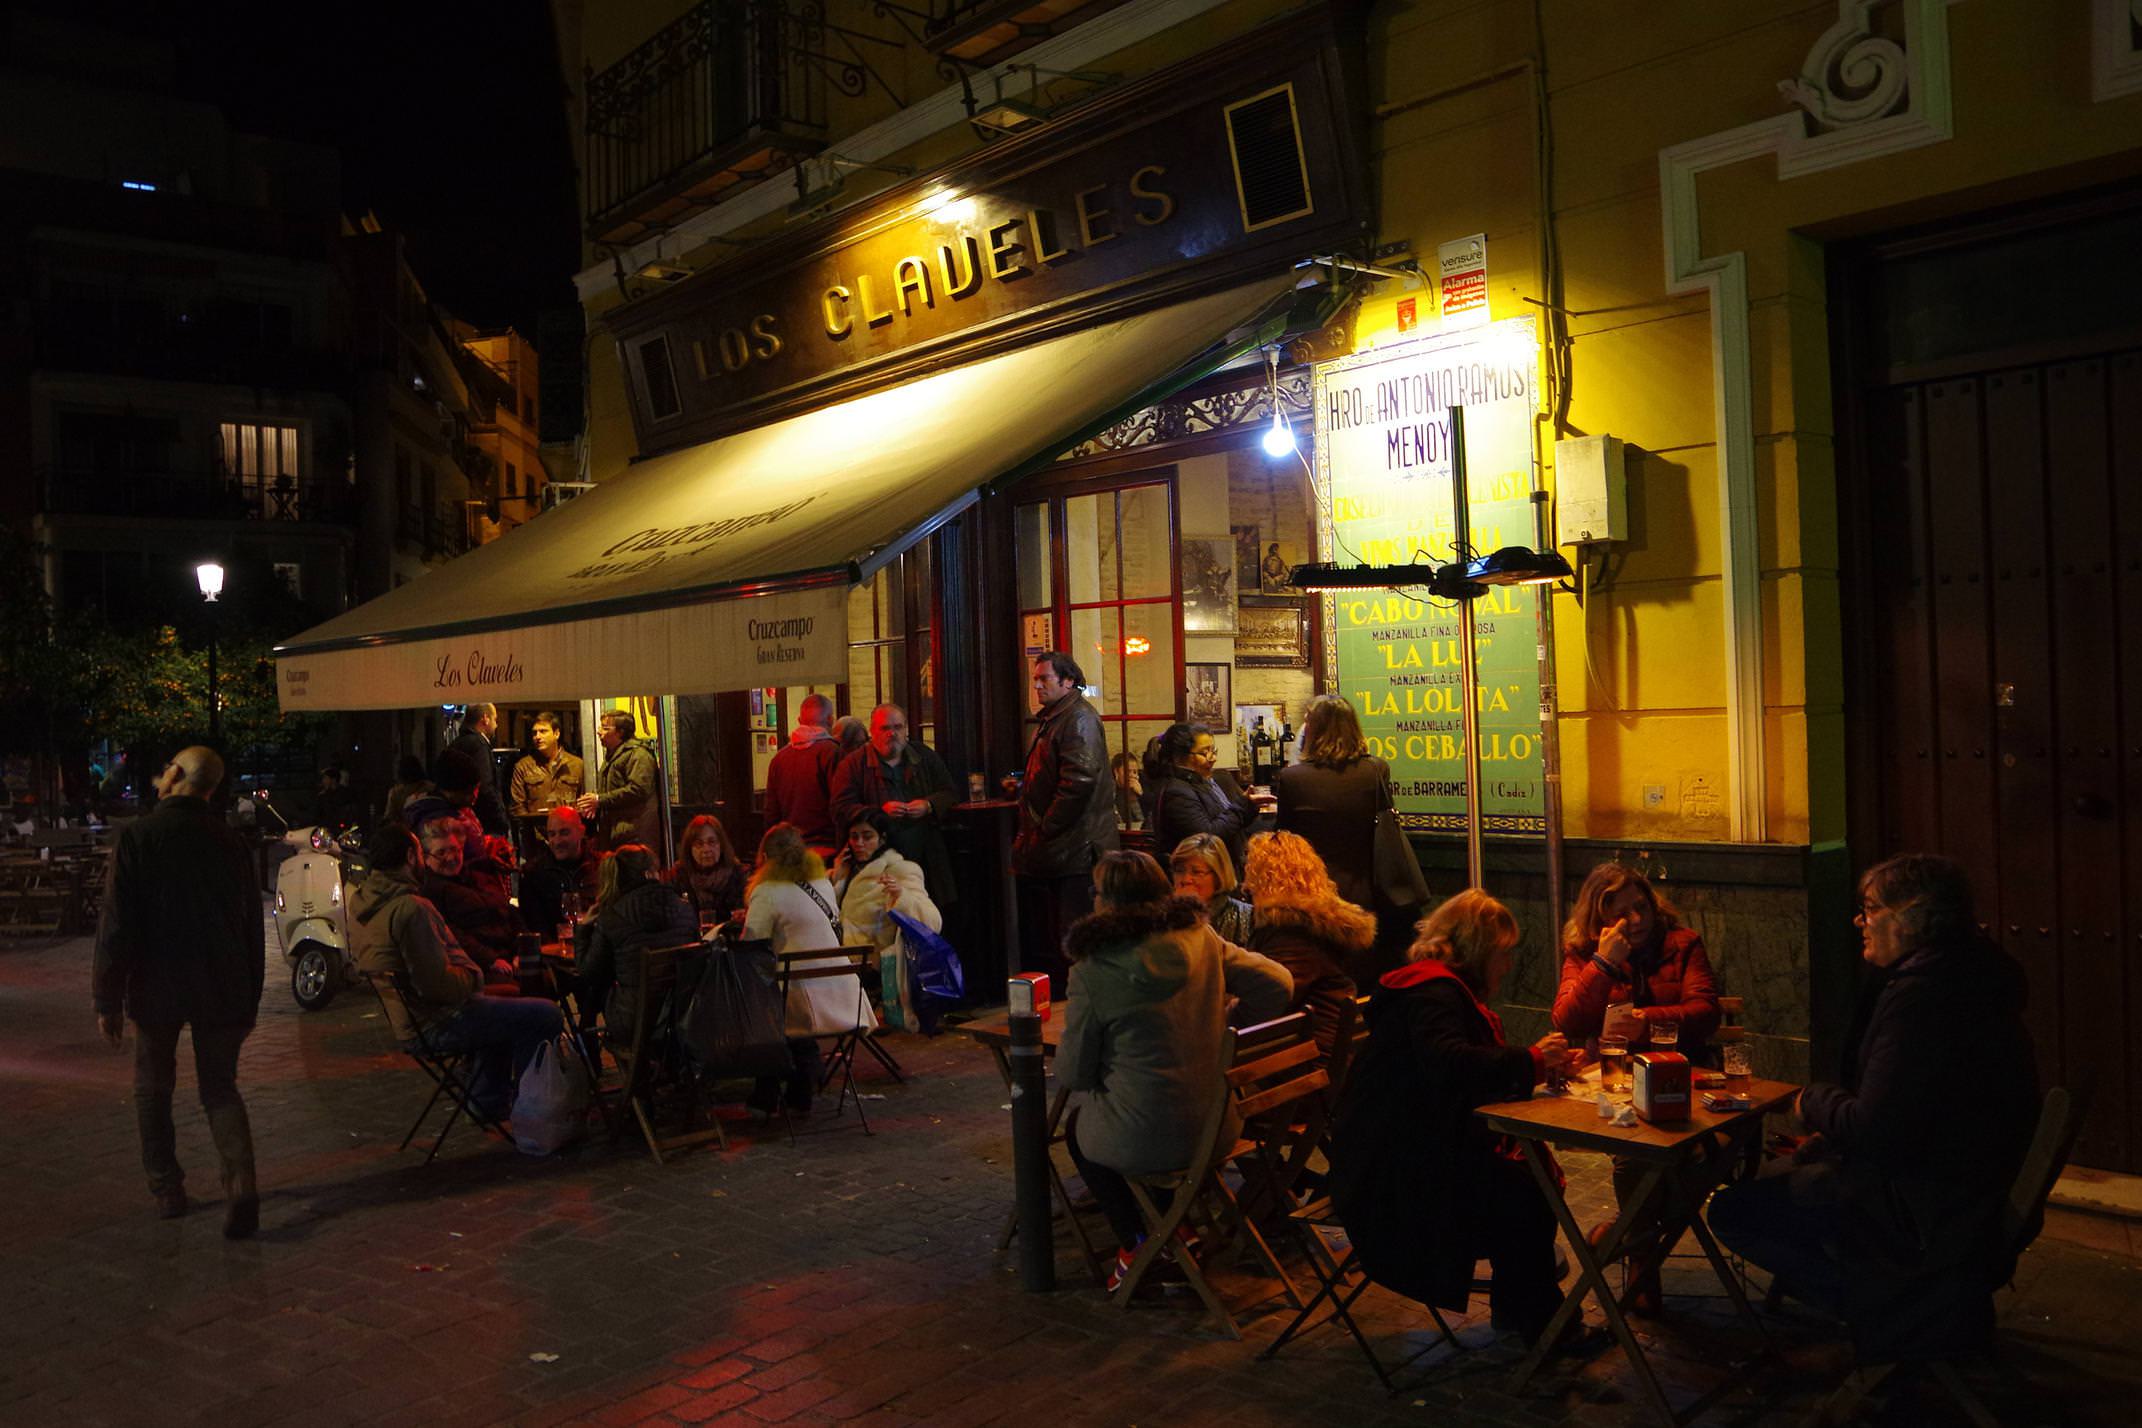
x: 1383, y: 453
x: 1237, y: 162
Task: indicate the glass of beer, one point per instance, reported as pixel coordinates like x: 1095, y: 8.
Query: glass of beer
x: 1665, y: 1032
x: 1734, y: 1057
x: 1614, y: 1066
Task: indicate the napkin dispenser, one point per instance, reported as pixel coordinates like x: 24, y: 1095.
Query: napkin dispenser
x: 1662, y: 1085
x: 1027, y: 994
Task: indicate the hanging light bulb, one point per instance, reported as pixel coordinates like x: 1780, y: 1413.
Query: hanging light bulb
x: 1279, y: 437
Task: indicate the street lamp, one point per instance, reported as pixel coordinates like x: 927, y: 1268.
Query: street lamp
x: 210, y: 576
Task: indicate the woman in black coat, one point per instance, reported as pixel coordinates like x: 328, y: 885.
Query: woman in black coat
x: 1183, y: 795
x: 1889, y: 1213
x: 634, y: 910
x: 1331, y: 798
x: 1423, y: 1187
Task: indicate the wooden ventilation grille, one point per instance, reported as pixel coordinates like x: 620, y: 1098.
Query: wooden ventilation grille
x: 661, y: 379
x: 1264, y: 135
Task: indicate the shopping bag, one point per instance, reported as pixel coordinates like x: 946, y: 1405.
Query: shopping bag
x: 734, y: 1025
x: 935, y: 978
x: 550, y: 1106
x: 895, y: 996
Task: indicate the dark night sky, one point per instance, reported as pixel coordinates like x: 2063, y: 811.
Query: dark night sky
x: 449, y: 115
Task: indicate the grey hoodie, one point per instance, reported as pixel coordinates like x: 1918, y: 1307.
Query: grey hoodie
x: 1141, y: 1045
x: 398, y: 936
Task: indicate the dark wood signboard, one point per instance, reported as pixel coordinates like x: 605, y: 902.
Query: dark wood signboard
x: 1237, y: 162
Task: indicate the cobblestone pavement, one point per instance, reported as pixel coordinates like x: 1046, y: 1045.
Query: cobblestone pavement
x: 843, y: 1279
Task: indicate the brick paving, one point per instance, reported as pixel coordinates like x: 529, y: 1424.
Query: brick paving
x: 842, y: 1280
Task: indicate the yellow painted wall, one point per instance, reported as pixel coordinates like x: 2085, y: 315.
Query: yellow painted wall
x: 1646, y: 708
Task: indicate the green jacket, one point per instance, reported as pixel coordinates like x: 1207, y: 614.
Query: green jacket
x: 395, y: 934
x: 625, y: 794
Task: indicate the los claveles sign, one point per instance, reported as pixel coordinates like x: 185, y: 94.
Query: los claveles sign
x: 1383, y: 444
x: 1138, y: 200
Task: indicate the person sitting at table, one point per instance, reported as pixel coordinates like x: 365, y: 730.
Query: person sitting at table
x: 1424, y: 1188
x: 707, y: 872
x: 1183, y: 793
x: 1305, y: 926
x: 398, y: 936
x: 565, y: 865
x: 1146, y: 1008
x: 1624, y: 945
x: 1889, y: 1213
x: 790, y: 904
x: 470, y: 892
x: 872, y: 879
x: 634, y: 910
x: 1203, y: 870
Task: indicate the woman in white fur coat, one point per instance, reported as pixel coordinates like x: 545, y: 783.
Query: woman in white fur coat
x: 873, y: 879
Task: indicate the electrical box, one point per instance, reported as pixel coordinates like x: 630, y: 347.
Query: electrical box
x: 1591, y: 491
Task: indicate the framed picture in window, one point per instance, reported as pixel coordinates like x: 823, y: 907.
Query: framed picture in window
x: 1209, y: 584
x: 1272, y: 633
x: 1208, y: 695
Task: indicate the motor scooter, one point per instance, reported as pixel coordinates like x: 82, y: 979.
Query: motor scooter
x: 311, y: 898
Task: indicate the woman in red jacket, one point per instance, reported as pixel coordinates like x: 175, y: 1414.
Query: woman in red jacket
x: 1625, y: 945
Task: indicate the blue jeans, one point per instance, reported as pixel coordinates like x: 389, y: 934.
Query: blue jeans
x: 504, y: 1033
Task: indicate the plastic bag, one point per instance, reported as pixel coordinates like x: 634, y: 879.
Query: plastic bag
x: 550, y: 1107
x: 895, y: 994
x: 734, y: 1025
x: 935, y: 979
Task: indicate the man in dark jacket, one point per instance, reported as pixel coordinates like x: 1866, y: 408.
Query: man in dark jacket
x: 799, y: 780
x: 471, y: 892
x: 621, y: 810
x: 478, y: 723
x: 909, y: 784
x: 1889, y: 1213
x: 1067, y: 816
x: 180, y: 943
x: 565, y: 864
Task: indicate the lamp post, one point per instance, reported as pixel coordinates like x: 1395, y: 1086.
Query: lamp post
x: 210, y: 576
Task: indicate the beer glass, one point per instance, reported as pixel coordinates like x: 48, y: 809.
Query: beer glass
x: 1614, y: 1066
x: 1665, y: 1032
x: 1734, y: 1057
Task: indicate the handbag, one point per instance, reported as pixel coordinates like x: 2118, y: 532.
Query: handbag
x: 550, y: 1106
x: 734, y: 1025
x: 1401, y: 887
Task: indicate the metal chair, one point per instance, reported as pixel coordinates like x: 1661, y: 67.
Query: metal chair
x: 448, y: 1071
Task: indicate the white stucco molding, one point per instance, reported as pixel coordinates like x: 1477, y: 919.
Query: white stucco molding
x: 1860, y: 96
x: 2115, y: 49
x: 1075, y: 49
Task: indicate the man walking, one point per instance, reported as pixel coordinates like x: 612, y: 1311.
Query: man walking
x: 907, y: 782
x: 180, y: 943
x: 621, y: 809
x: 478, y: 723
x: 1067, y: 816
x: 799, y: 779
x: 550, y: 775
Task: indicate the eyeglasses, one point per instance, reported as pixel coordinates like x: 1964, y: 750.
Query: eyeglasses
x: 1869, y: 909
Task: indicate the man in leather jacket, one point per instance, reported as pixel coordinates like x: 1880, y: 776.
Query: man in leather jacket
x: 1067, y: 816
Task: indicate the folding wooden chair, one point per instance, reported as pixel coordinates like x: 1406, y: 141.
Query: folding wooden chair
x: 798, y: 969
x: 1331, y: 1273
x: 2060, y: 1120
x: 1274, y: 1146
x: 1161, y: 1226
x: 448, y: 1071
x: 651, y: 1058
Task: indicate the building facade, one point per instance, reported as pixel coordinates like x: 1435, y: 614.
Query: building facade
x: 1842, y: 284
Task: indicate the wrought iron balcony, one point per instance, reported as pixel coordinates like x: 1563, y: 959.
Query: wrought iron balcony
x: 731, y: 92
x: 197, y: 495
x: 978, y: 33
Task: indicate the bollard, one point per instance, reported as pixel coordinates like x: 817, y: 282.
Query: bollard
x: 1030, y: 1156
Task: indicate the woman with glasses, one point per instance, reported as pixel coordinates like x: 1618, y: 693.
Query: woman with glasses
x: 1890, y: 1212
x: 1183, y: 795
x: 1202, y: 870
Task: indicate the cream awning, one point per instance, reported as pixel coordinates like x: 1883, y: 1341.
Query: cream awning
x: 727, y: 565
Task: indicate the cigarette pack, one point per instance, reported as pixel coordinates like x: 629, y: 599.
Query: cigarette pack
x: 1662, y: 1091
x: 1028, y: 994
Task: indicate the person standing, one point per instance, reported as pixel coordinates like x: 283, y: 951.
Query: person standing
x: 1067, y: 816
x: 799, y: 780
x: 621, y: 809
x: 180, y: 943
x: 478, y: 723
x: 1332, y: 798
x: 548, y: 776
x: 910, y: 785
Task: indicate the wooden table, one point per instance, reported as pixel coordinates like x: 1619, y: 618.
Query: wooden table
x: 994, y: 1032
x: 1681, y: 1163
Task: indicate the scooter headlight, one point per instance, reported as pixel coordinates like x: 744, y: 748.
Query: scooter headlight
x: 320, y: 840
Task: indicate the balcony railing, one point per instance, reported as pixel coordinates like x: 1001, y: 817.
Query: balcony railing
x: 189, y: 495
x: 440, y: 531
x: 731, y: 92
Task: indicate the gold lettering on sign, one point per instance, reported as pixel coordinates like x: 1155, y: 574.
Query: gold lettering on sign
x: 1092, y: 222
x: 911, y: 278
x: 969, y: 250
x: 871, y: 314
x: 1000, y: 251
x: 734, y: 352
x: 1041, y: 223
x: 768, y: 345
x: 838, y: 323
x: 1165, y: 206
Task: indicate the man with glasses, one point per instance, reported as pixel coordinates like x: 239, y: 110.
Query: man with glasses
x: 180, y: 943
